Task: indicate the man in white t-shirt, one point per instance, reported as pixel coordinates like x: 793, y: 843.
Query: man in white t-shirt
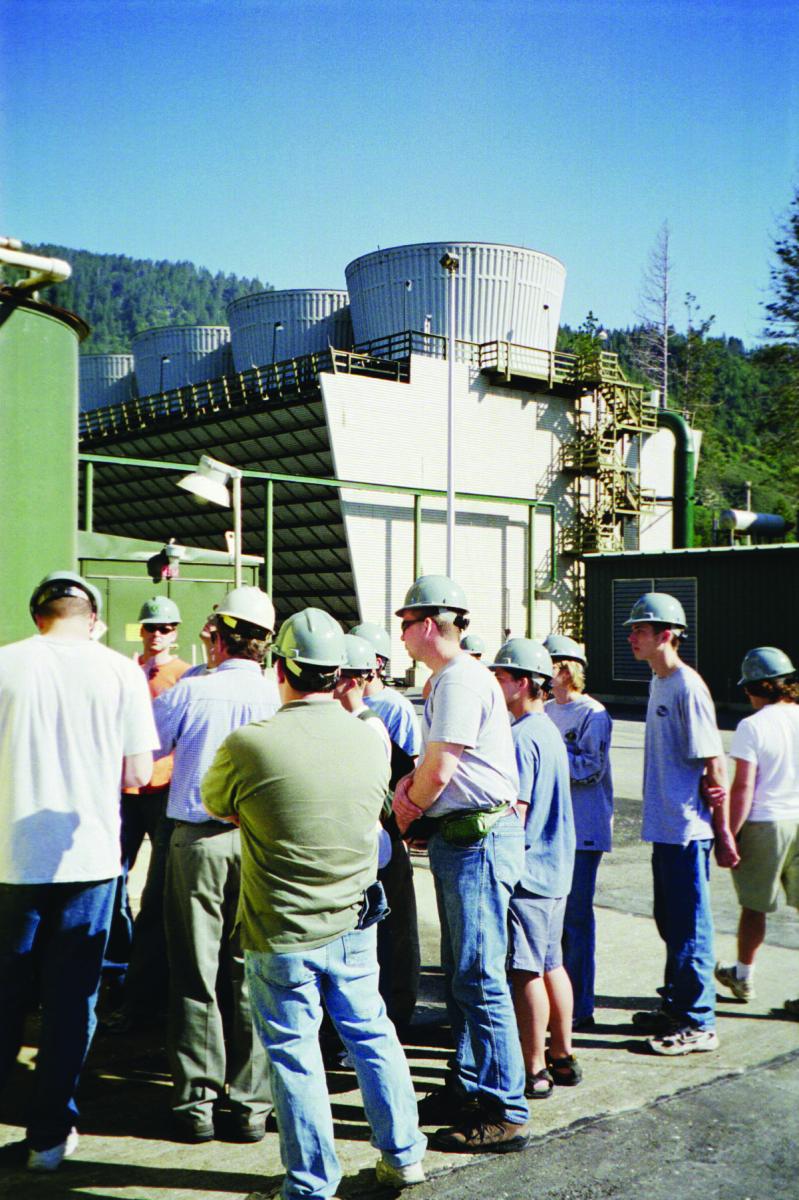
x: 764, y: 808
x: 75, y: 719
x: 466, y: 785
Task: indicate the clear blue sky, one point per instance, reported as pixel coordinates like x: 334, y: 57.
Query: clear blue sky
x: 282, y: 138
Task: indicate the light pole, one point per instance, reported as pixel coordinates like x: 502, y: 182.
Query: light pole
x: 276, y: 329
x: 165, y: 358
x: 210, y: 483
x: 450, y: 265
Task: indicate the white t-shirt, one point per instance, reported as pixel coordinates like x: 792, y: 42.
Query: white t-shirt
x: 70, y: 711
x: 466, y: 707
x: 770, y: 738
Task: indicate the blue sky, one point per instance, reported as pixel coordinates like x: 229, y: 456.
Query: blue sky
x: 283, y: 138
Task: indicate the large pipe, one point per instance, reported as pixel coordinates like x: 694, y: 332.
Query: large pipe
x: 684, y: 466
x: 48, y: 270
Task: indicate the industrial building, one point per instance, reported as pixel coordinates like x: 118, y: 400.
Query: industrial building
x: 556, y: 455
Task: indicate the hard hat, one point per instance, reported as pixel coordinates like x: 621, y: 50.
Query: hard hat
x: 376, y: 635
x: 248, y: 604
x: 766, y: 662
x: 523, y: 654
x: 437, y: 593
x: 359, y: 654
x: 473, y: 643
x: 310, y: 638
x: 659, y: 608
x: 560, y: 646
x: 159, y: 611
x: 58, y: 584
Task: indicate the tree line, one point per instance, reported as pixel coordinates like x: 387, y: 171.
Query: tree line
x: 119, y: 296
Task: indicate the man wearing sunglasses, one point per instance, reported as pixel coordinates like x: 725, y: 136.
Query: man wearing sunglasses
x: 466, y: 785
x: 140, y: 946
x: 218, y: 1064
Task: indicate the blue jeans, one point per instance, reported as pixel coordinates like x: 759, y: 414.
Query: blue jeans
x: 579, y: 932
x: 681, y: 876
x: 474, y: 885
x: 56, y: 932
x: 287, y: 992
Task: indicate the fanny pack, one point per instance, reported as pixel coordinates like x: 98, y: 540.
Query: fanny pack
x: 463, y: 828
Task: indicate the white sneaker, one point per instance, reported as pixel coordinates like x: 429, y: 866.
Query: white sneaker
x: 399, y: 1177
x: 684, y: 1041
x: 742, y: 989
x: 51, y: 1159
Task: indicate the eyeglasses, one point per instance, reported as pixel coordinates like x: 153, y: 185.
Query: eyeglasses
x: 160, y: 628
x: 405, y: 625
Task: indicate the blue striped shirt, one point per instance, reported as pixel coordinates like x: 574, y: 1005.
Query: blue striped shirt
x: 195, y: 716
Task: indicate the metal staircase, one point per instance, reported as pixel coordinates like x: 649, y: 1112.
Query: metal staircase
x: 608, y: 500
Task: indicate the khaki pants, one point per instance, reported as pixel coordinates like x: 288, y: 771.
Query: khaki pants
x: 211, y: 1038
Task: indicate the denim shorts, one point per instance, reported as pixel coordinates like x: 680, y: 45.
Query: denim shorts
x: 536, y: 932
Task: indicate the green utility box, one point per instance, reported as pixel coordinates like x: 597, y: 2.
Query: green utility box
x: 118, y: 567
x: 38, y: 449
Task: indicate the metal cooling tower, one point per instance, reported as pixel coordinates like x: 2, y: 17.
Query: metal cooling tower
x: 271, y: 326
x: 503, y: 293
x: 177, y: 355
x: 105, y: 379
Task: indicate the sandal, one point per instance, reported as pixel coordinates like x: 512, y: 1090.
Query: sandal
x: 539, y: 1086
x: 566, y: 1071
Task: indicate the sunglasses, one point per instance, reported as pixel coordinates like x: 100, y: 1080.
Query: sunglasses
x: 405, y: 625
x: 160, y: 628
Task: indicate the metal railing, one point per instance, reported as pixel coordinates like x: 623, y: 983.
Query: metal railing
x: 270, y: 478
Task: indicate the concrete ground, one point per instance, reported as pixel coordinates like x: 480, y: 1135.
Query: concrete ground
x: 719, y: 1124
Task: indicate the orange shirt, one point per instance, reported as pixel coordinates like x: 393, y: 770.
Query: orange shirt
x: 160, y: 677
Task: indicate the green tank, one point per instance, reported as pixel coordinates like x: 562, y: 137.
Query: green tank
x: 38, y: 450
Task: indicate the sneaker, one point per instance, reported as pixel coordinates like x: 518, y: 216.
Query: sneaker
x: 52, y: 1158
x: 742, y: 989
x: 581, y: 1024
x: 399, y: 1177
x: 685, y: 1041
x: 480, y: 1134
x: 655, y: 1021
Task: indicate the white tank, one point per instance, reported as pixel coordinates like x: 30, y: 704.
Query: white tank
x: 176, y: 355
x: 503, y: 293
x: 311, y: 318
x: 105, y: 379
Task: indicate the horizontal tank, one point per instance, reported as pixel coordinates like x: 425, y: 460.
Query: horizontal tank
x: 176, y: 355
x: 742, y: 521
x: 503, y: 293
x: 105, y: 379
x: 272, y: 326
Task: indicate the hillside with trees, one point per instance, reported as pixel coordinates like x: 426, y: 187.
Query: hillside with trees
x: 120, y: 296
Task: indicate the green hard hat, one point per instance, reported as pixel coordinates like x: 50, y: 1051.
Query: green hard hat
x: 376, y: 635
x: 560, y: 646
x: 435, y: 592
x: 658, y: 608
x: 473, y: 644
x: 58, y: 584
x: 523, y: 654
x: 310, y: 638
x: 159, y: 611
x: 766, y: 662
x: 247, y: 604
x: 359, y: 655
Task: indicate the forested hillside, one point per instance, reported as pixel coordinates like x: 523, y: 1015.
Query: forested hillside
x: 120, y: 296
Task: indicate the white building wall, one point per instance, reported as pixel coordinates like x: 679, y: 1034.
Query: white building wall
x: 507, y: 443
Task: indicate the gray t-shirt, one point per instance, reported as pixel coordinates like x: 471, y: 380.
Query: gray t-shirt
x: 466, y: 707
x: 681, y: 733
